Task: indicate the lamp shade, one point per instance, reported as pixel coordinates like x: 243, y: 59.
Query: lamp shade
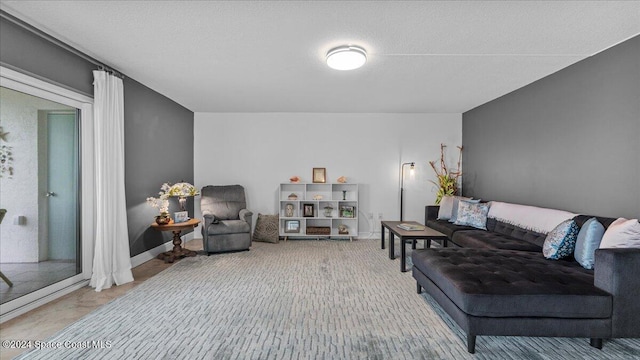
x: 183, y: 189
x: 346, y: 57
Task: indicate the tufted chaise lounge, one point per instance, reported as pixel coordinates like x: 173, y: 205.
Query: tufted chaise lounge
x: 515, y: 291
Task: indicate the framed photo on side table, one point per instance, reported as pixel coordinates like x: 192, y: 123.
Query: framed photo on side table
x: 319, y: 175
x: 180, y: 216
x: 292, y: 226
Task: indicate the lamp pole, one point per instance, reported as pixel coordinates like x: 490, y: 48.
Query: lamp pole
x: 402, y: 185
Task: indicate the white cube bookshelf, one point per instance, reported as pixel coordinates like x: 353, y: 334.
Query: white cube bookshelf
x: 328, y: 206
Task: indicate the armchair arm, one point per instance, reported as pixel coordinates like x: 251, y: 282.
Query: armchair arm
x: 616, y: 272
x: 246, y: 215
x: 208, y: 220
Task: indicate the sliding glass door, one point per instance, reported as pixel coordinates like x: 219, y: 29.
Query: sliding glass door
x: 42, y: 247
x: 39, y: 243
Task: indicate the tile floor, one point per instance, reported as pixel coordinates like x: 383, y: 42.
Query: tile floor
x: 29, y: 277
x: 40, y: 323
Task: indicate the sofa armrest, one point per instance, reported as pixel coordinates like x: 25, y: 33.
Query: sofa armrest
x: 616, y: 272
x: 431, y: 212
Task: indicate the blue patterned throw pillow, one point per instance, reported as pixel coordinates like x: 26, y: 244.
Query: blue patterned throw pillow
x: 561, y: 241
x: 587, y: 242
x: 472, y: 214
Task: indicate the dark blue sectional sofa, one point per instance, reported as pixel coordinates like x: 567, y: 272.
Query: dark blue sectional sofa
x: 497, y: 282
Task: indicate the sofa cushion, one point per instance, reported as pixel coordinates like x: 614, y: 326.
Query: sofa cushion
x: 479, y: 239
x: 229, y: 227
x: 504, y: 283
x: 446, y: 227
x: 561, y: 241
x: 516, y: 232
x: 588, y: 241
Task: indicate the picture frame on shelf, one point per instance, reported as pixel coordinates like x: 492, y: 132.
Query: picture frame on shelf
x: 180, y: 216
x: 308, y: 210
x: 319, y: 175
x: 347, y: 211
x: 292, y: 226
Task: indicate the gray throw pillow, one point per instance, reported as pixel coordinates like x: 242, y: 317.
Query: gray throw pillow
x: 266, y: 229
x: 588, y: 241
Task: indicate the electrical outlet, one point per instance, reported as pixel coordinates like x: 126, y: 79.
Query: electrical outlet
x: 379, y: 216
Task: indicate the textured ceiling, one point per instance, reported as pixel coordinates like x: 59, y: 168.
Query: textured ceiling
x: 268, y: 56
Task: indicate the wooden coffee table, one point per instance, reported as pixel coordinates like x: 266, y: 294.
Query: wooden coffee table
x: 405, y: 236
x: 178, y: 251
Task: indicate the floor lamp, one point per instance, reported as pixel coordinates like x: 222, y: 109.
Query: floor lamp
x: 412, y: 168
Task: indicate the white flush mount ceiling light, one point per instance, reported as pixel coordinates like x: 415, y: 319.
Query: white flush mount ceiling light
x: 346, y: 57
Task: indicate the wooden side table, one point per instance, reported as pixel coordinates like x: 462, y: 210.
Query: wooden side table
x: 178, y: 251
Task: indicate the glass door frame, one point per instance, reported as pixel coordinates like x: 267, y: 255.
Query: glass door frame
x: 33, y: 86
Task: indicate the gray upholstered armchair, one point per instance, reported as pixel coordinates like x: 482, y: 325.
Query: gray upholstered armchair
x: 227, y: 222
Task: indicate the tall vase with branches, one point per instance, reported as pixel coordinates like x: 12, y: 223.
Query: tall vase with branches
x: 447, y: 180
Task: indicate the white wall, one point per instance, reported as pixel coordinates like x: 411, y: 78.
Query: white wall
x: 262, y: 150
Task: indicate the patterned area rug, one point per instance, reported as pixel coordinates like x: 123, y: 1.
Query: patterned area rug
x: 293, y: 300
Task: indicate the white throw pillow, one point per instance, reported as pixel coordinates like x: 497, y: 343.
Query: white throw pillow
x: 622, y: 233
x: 446, y: 207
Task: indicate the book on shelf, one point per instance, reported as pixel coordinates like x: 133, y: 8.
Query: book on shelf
x: 411, y: 227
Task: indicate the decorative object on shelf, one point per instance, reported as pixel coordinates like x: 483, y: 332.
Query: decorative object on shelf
x: 318, y: 230
x: 347, y: 211
x: 317, y: 197
x: 294, y: 179
x: 342, y: 180
x: 412, y: 169
x: 292, y: 196
x: 6, y: 156
x: 319, y: 175
x: 328, y: 211
x: 308, y: 210
x: 288, y: 210
x: 344, y: 194
x: 343, y: 229
x: 447, y: 180
x: 292, y: 226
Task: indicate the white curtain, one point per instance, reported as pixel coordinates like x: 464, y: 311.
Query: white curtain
x: 112, y: 259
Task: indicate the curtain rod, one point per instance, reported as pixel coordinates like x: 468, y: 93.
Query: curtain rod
x: 43, y: 35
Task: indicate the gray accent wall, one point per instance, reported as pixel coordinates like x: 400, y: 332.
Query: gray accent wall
x: 158, y: 149
x: 158, y: 131
x: 568, y: 141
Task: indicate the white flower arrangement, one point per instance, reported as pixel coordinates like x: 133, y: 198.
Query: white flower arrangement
x: 161, y: 203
